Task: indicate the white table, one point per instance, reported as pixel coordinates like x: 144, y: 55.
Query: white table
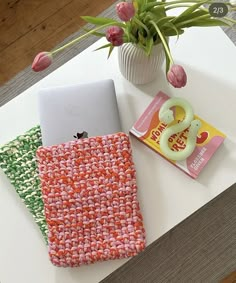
x: 167, y: 196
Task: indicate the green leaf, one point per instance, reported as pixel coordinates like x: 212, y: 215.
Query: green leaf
x: 141, y: 38
x: 190, y: 21
x: 139, y: 23
x: 159, y: 11
x: 110, y: 51
x: 173, y: 27
x: 151, y: 16
x: 188, y: 12
x: 135, y: 3
x: 99, y: 21
x: 103, y: 46
x: 141, y: 46
x: 149, y: 45
x: 196, y: 14
x: 199, y: 13
x: 153, y: 4
x: 149, y: 6
x: 205, y: 23
x: 140, y: 2
x: 111, y: 47
x: 164, y: 20
x: 170, y: 32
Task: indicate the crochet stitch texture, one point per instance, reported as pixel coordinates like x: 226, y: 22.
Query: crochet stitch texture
x: 90, y: 200
x: 18, y: 161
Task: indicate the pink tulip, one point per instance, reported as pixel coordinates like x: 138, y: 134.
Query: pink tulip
x: 177, y: 76
x: 115, y: 35
x: 42, y: 61
x: 125, y: 11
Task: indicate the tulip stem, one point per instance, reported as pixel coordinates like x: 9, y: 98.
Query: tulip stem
x: 165, y: 45
x: 85, y: 35
x: 192, y: 20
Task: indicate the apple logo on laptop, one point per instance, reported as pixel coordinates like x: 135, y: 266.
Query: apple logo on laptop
x: 82, y: 135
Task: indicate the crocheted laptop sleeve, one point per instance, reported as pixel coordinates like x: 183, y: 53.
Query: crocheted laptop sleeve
x: 18, y: 161
x: 90, y: 200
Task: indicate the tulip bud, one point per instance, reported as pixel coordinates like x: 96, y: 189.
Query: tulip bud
x: 42, y: 61
x: 177, y: 76
x: 114, y: 35
x: 125, y: 11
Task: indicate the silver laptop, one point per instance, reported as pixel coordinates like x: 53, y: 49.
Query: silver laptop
x: 78, y: 111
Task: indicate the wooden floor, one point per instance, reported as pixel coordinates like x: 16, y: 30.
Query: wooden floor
x: 30, y: 26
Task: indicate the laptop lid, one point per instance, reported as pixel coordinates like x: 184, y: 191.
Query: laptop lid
x: 76, y: 111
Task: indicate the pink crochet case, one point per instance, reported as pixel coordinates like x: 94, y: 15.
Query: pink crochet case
x: 90, y: 200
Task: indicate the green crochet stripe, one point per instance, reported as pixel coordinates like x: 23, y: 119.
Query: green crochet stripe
x: 18, y: 161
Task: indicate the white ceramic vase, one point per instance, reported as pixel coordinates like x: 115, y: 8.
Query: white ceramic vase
x: 136, y: 66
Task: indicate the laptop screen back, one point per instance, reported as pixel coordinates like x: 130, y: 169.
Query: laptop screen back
x: 76, y: 111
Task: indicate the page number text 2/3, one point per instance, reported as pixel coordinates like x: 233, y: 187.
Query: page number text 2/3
x: 218, y: 10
